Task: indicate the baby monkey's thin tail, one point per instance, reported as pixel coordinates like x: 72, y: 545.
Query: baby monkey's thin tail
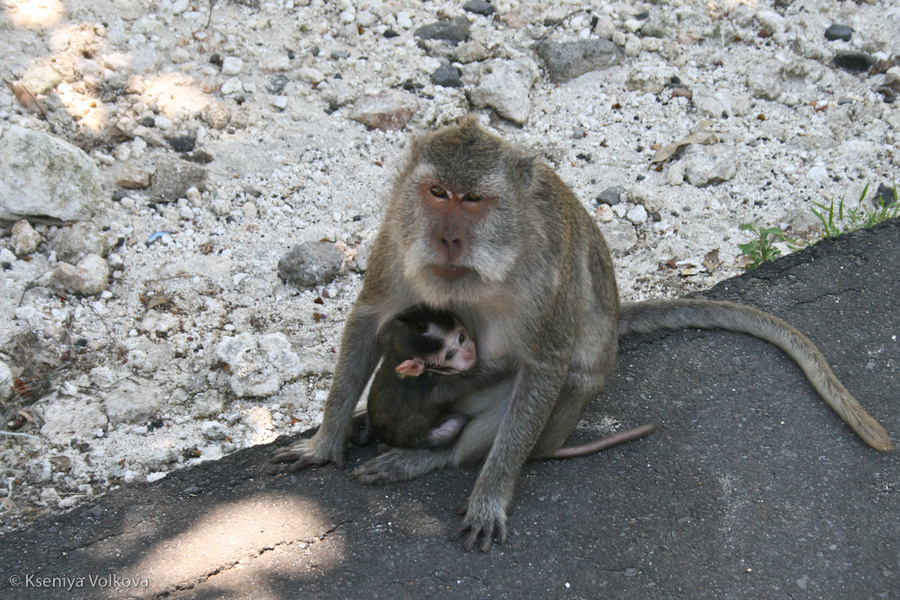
x: 601, y: 444
x: 646, y: 317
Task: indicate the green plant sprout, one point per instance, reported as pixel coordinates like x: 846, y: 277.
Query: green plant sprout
x: 835, y: 219
x: 843, y: 218
x: 763, y: 248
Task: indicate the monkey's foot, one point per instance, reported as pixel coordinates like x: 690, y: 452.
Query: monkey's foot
x: 485, y: 520
x: 362, y: 432
x: 311, y: 452
x: 401, y: 464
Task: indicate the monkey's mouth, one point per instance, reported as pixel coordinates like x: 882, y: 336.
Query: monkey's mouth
x: 450, y: 271
x: 444, y: 370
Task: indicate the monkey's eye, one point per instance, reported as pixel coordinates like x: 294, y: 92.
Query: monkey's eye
x: 472, y: 197
x: 438, y: 191
x: 450, y: 354
x: 462, y: 337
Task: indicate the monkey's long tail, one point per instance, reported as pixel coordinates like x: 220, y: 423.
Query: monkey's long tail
x: 646, y: 317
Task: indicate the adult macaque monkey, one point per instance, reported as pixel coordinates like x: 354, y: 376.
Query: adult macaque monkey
x: 489, y: 232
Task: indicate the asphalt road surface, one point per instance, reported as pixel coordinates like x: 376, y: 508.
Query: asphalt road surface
x: 751, y: 488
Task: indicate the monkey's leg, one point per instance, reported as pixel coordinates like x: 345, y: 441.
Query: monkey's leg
x: 358, y: 359
x: 446, y: 433
x: 486, y: 408
x: 402, y: 464
x: 473, y: 444
x: 485, y: 509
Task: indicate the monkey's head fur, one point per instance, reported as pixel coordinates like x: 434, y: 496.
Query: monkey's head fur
x: 460, y: 192
x: 410, y: 335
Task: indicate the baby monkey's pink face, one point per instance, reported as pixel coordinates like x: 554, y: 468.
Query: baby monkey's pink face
x: 458, y: 353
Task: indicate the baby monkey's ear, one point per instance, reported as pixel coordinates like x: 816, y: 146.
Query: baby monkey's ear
x: 411, y: 368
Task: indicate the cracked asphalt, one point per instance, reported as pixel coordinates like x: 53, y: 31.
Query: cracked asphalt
x: 751, y: 488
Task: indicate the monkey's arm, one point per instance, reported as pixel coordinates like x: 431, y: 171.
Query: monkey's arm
x: 482, y: 375
x: 533, y: 397
x: 359, y: 356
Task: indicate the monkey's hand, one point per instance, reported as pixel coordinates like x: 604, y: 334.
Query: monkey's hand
x: 401, y: 464
x: 315, y: 451
x: 484, y: 518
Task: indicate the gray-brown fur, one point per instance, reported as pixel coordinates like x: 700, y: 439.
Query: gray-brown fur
x: 527, y: 271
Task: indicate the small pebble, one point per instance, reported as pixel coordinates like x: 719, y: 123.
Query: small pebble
x: 182, y: 143
x: 611, y: 195
x: 447, y: 76
x: 453, y: 31
x: 232, y: 65
x: 838, y: 32
x: 854, y: 61
x: 277, y: 84
x: 885, y: 194
x: 479, y: 7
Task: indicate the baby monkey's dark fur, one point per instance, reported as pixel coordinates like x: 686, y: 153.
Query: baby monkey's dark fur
x: 403, y: 410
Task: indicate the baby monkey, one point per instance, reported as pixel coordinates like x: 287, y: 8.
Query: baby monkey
x: 412, y: 388
x: 427, y: 352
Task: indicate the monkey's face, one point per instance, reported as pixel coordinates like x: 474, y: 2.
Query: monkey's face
x: 458, y: 353
x: 453, y: 215
x: 461, y: 198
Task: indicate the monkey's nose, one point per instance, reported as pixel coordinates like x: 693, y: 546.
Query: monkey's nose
x: 451, y: 242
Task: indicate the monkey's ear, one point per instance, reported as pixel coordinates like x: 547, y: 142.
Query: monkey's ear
x: 521, y: 170
x: 469, y: 121
x: 411, y: 368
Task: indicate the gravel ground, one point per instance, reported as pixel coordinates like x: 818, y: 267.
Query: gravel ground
x: 156, y: 332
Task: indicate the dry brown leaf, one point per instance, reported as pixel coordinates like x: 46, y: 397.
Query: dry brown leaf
x: 700, y: 136
x: 711, y: 261
x: 156, y: 301
x: 26, y: 99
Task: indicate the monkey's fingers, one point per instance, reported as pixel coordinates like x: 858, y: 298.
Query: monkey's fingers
x: 281, y: 455
x: 486, y: 529
x: 306, y: 461
x: 401, y: 464
x: 362, y: 432
x: 304, y: 454
x: 384, y: 468
x: 368, y: 474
